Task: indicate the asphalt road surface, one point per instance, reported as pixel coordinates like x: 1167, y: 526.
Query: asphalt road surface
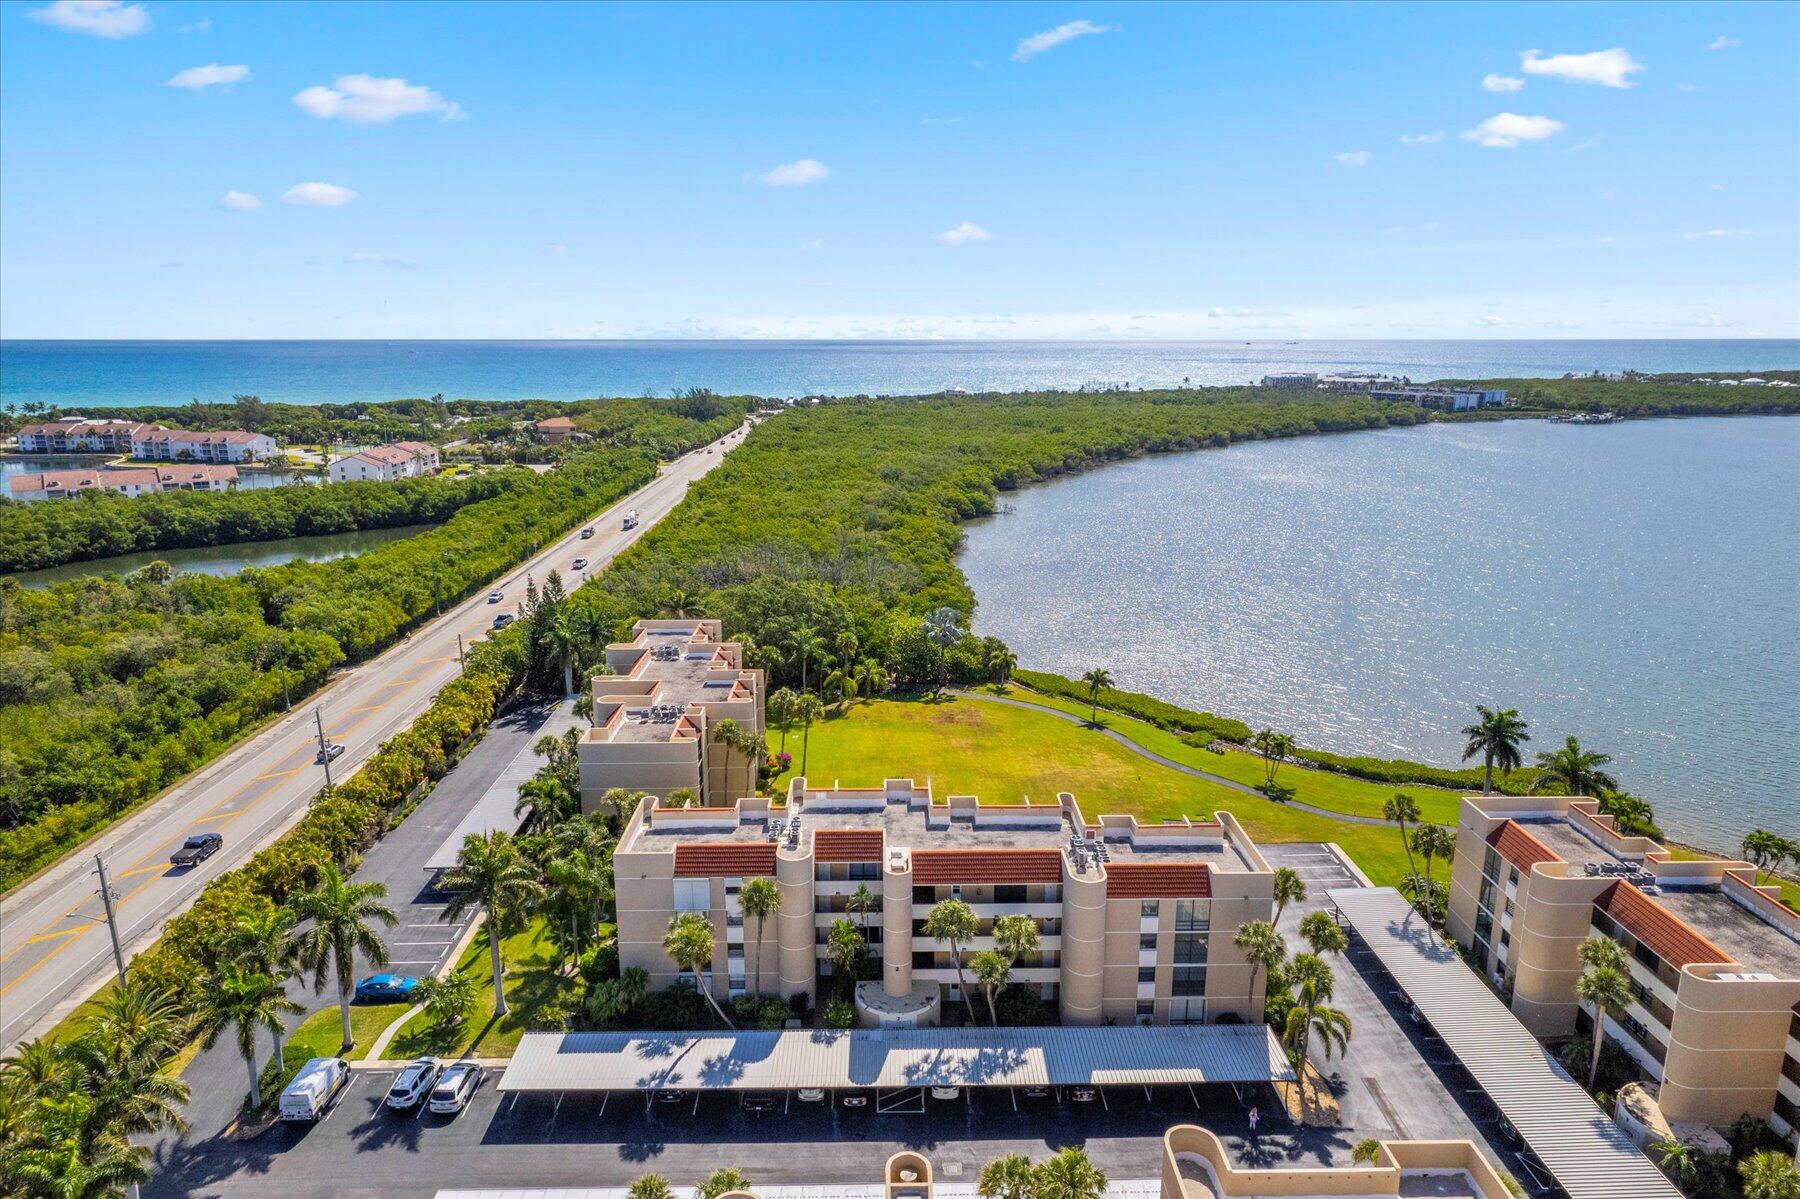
x: 54, y: 948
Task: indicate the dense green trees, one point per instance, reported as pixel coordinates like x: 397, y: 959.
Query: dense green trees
x: 1662, y: 396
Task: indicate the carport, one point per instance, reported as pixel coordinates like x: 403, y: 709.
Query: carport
x: 894, y: 1061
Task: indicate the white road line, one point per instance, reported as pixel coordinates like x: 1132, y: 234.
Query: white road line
x: 423, y: 944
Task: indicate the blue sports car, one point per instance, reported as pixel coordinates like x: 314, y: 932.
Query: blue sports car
x: 383, y: 988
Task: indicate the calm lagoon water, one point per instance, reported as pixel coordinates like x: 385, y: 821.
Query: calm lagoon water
x: 100, y: 374
x: 226, y: 559
x: 1637, y: 585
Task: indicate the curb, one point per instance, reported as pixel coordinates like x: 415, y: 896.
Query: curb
x: 450, y: 960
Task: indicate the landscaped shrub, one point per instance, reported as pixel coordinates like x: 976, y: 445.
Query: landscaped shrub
x: 1146, y: 708
x: 840, y: 1013
x: 1401, y: 772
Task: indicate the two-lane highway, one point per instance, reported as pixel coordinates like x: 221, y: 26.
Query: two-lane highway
x: 54, y: 946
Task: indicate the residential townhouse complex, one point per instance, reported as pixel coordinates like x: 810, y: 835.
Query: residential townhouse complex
x: 79, y: 435
x: 1136, y: 921
x: 384, y: 464
x: 553, y: 430
x: 656, y: 713
x: 131, y: 481
x: 157, y: 444
x: 1714, y: 959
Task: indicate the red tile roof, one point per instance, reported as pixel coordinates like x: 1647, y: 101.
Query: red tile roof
x: 848, y: 845
x: 1673, y: 939
x: 987, y: 866
x: 556, y: 422
x: 1158, y: 880
x: 713, y: 859
x: 1516, y: 844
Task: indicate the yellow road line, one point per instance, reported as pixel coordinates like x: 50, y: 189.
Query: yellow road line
x: 158, y: 866
x: 273, y: 774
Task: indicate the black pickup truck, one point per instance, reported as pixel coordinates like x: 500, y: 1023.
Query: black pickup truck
x: 196, y: 849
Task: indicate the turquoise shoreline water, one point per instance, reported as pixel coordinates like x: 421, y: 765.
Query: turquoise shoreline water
x: 1637, y: 585
x: 101, y: 374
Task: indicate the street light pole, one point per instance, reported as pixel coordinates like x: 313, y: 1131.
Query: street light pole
x: 287, y: 696
x: 324, y: 753
x: 112, y: 925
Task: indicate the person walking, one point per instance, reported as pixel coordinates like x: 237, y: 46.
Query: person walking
x: 1255, y: 1115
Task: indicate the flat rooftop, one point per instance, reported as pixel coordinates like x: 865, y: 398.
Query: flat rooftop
x: 1568, y: 843
x: 1716, y: 916
x: 905, y: 826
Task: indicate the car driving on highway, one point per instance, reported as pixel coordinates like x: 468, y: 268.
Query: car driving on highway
x: 504, y: 619
x: 496, y: 595
x: 196, y: 849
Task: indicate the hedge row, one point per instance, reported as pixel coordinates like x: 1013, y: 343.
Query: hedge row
x: 1146, y: 708
x: 1402, y: 773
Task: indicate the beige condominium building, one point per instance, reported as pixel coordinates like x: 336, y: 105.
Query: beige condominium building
x: 1714, y: 959
x: 656, y: 713
x: 1135, y: 921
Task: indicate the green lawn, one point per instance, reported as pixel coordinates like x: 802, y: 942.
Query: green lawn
x: 531, y: 985
x: 1004, y: 754
x: 322, y: 1033
x: 1321, y: 788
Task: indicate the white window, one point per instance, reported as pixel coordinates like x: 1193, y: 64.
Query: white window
x: 693, y: 894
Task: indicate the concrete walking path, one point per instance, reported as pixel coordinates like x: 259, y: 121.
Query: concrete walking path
x: 1152, y: 755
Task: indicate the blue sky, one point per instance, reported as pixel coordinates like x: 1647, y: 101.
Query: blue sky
x: 1026, y: 170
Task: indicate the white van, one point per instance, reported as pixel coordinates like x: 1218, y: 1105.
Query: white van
x: 313, y: 1089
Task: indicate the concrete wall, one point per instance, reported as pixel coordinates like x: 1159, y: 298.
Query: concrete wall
x: 1726, y: 1045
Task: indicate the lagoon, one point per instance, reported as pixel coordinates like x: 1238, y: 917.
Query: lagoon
x: 226, y: 559
x: 1637, y: 585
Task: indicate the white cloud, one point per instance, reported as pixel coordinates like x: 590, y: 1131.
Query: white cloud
x: 964, y: 233
x: 1422, y: 139
x: 1353, y: 158
x: 101, y: 18
x: 794, y: 174
x: 196, y: 78
x: 200, y: 26
x: 1218, y: 312
x: 1491, y: 320
x: 559, y: 248
x: 318, y: 195
x: 1501, y: 83
x: 1037, y: 43
x: 1712, y: 321
x: 239, y: 201
x: 1608, y: 68
x: 1508, y: 129
x: 1722, y: 43
x: 1715, y: 187
x: 368, y: 100
x: 1714, y: 234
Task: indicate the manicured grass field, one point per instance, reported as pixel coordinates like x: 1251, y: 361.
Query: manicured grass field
x: 1004, y: 754
x: 532, y: 983
x: 322, y: 1033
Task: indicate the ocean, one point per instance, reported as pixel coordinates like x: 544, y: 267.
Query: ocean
x: 101, y: 374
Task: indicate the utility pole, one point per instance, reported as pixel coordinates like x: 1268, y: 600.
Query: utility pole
x: 324, y: 753
x: 460, y: 664
x: 287, y: 696
x: 112, y: 925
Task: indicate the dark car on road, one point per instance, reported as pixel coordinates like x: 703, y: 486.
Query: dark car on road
x: 196, y: 849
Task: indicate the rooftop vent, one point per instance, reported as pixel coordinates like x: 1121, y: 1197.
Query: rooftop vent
x: 665, y: 653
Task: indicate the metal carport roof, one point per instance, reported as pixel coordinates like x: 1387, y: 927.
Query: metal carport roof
x: 1590, y: 1156
x: 891, y: 1058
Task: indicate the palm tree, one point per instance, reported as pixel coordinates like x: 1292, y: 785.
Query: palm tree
x: 1631, y: 815
x: 807, y: 645
x: 806, y: 710
x: 993, y: 972
x: 1006, y: 1177
x: 1402, y: 810
x: 679, y: 604
x: 1605, y: 986
x: 576, y: 886
x: 1001, y: 663
x: 1289, y: 888
x: 1770, y: 1175
x: 1275, y: 748
x: 1097, y: 680
x: 490, y: 874
x: 1311, y: 1017
x: 1496, y: 735
x: 781, y: 711
x: 1678, y: 1159
x: 1322, y: 933
x: 871, y: 678
x: 67, y: 1158
x: 1068, y: 1175
x: 954, y: 921
x: 246, y: 1002
x: 1433, y: 841
x: 846, y: 948
x: 943, y: 629
x: 615, y: 998
x: 862, y: 901
x: 1016, y: 936
x: 689, y: 944
x: 342, y: 914
x: 134, y: 1029
x: 1574, y: 771
x: 262, y: 941
x: 1766, y: 850
x: 566, y: 637
x: 731, y: 735
x: 758, y: 899
x: 723, y: 1181
x: 1262, y: 946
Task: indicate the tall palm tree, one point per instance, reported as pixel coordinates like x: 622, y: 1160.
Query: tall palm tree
x: 1311, y: 1017
x: 689, y: 944
x: 993, y: 971
x: 1001, y: 663
x: 943, y: 629
x: 1605, y: 985
x: 566, y: 636
x: 245, y: 1001
x: 1433, y: 841
x: 492, y: 875
x: 723, y: 1181
x: 955, y: 922
x: 1016, y: 937
x: 1289, y: 888
x: 806, y: 645
x: 1769, y: 1175
x: 262, y: 941
x: 1068, y: 1175
x: 1006, y: 1177
x: 1766, y: 850
x: 1275, y: 749
x: 1572, y: 770
x: 576, y: 886
x: 807, y: 709
x: 66, y: 1157
x: 1496, y: 735
x: 862, y: 901
x: 780, y: 709
x: 120, y: 1058
x: 1403, y: 810
x: 343, y: 914
x: 1261, y: 946
x: 1097, y: 680
x: 759, y: 899
x: 729, y: 734
x: 1322, y: 934
x: 871, y: 678
x: 846, y: 948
